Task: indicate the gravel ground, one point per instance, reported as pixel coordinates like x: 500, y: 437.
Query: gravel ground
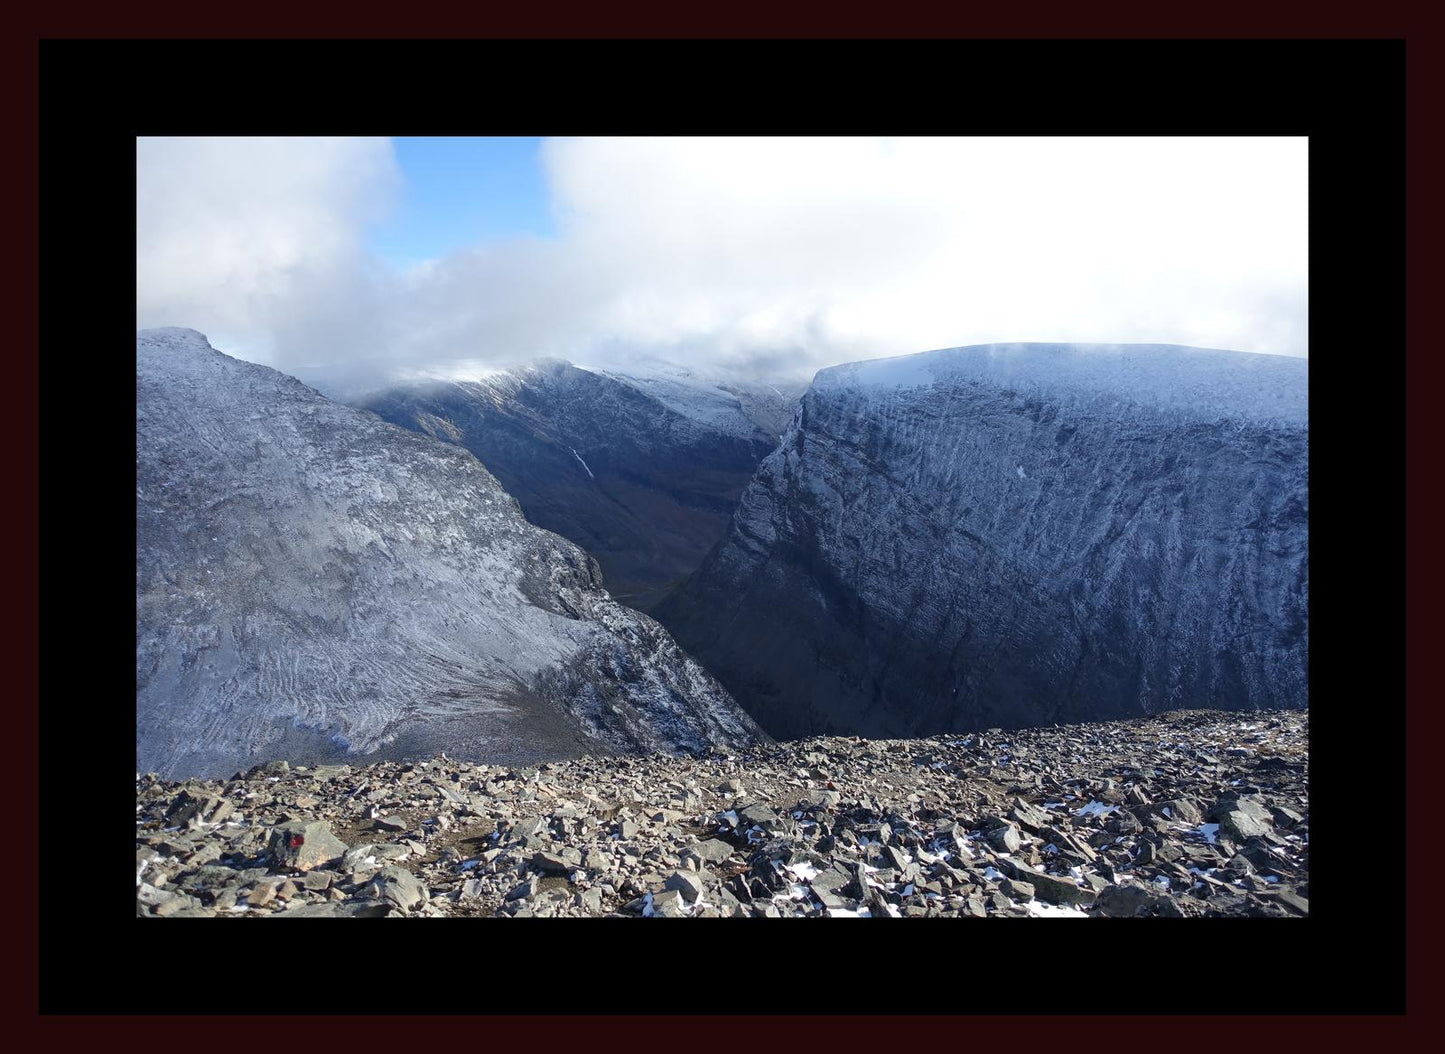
x: 1189, y: 813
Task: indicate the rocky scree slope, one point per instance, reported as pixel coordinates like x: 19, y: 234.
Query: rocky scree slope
x: 1186, y: 814
x: 313, y: 582
x: 1015, y: 535
x: 643, y: 475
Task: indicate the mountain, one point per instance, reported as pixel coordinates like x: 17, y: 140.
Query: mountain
x: 1016, y: 535
x: 641, y: 470
x: 723, y: 400
x: 313, y: 582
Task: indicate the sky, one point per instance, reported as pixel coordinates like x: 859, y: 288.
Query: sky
x: 768, y: 256
x: 460, y: 192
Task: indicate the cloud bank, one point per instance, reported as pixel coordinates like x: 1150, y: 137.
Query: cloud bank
x: 774, y: 255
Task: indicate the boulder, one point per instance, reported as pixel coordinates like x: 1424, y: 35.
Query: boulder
x: 397, y: 886
x: 301, y: 846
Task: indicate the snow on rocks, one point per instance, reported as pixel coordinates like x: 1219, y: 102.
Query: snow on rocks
x: 1054, y: 911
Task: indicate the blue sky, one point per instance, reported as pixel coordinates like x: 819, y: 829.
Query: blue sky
x: 462, y: 192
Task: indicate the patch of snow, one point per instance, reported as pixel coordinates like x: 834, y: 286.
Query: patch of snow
x: 795, y: 892
x: 803, y: 870
x: 1040, y: 910
x: 583, y: 463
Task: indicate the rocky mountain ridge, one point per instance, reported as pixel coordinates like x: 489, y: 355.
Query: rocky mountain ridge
x: 313, y: 582
x: 644, y: 474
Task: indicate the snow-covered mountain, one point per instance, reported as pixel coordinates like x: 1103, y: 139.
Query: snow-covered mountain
x: 1014, y: 535
x: 642, y: 470
x: 311, y: 579
x: 721, y: 400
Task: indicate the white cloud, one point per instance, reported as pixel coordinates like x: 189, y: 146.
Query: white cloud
x: 782, y: 251
x: 258, y: 242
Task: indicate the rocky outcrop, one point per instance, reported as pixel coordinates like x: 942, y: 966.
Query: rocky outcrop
x: 314, y: 583
x: 1016, y: 535
x: 1098, y: 820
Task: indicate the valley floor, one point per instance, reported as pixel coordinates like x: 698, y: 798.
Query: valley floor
x: 1190, y: 813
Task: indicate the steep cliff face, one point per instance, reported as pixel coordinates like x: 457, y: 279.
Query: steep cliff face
x: 1016, y: 535
x: 643, y: 474
x: 311, y: 580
